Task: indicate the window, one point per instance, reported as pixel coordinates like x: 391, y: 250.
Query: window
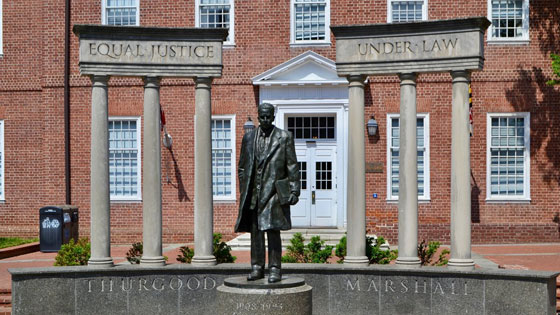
x: 223, y: 157
x: 124, y: 158
x: 423, y: 147
x: 312, y: 127
x: 216, y: 14
x: 407, y: 11
x: 510, y: 20
x: 310, y: 22
x: 508, y: 156
x: 2, y: 196
x: 120, y: 12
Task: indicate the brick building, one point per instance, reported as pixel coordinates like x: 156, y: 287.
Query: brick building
x: 282, y: 52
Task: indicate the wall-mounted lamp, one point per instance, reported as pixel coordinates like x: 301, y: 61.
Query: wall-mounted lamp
x: 372, y: 126
x: 248, y: 125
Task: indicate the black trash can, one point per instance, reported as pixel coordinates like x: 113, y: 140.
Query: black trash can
x: 57, y: 225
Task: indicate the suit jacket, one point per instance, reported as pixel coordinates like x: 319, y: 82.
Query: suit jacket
x: 279, y: 163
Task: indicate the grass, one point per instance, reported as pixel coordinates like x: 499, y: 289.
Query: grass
x: 15, y: 241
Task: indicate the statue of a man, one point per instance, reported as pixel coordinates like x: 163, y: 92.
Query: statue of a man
x: 269, y: 181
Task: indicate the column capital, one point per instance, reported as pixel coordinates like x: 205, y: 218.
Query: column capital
x: 408, y: 78
x: 99, y: 80
x: 356, y: 80
x: 461, y: 76
x: 203, y: 82
x: 151, y: 82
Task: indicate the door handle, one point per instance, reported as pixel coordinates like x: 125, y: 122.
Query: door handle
x: 313, y: 197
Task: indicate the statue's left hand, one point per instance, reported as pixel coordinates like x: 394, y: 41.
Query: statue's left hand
x: 293, y: 199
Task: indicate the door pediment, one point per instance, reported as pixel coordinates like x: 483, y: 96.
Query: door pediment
x: 307, y: 68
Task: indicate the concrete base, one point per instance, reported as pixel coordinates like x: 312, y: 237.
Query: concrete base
x: 291, y: 296
x: 337, y: 289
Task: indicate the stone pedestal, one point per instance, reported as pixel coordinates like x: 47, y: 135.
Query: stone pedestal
x: 239, y: 296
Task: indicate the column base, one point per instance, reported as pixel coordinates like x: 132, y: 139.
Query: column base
x: 356, y: 260
x: 408, y: 262
x: 460, y: 264
x: 204, y: 261
x: 156, y: 261
x: 100, y: 262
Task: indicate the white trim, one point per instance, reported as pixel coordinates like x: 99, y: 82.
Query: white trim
x: 230, y: 41
x: 104, y: 12
x: 2, y: 162
x: 138, y: 120
x: 233, y: 196
x: 426, y: 197
x: 390, y: 10
x: 325, y: 42
x: 526, y: 163
x: 523, y: 40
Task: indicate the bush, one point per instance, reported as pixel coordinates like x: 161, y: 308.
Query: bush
x: 315, y: 252
x: 374, y: 252
x: 134, y: 254
x: 426, y: 252
x: 222, y: 252
x: 73, y: 254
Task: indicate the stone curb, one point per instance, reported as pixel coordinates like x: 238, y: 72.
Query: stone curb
x: 19, y: 250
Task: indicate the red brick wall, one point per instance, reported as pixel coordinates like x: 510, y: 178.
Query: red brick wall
x: 31, y: 105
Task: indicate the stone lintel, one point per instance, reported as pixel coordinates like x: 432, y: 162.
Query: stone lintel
x: 429, y: 46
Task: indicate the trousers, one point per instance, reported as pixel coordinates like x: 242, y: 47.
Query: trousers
x: 258, y: 245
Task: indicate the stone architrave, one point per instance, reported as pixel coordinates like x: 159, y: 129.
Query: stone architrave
x: 151, y: 53
x: 408, y: 49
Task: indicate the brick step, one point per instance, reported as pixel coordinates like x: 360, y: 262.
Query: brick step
x: 5, y: 310
x: 5, y: 299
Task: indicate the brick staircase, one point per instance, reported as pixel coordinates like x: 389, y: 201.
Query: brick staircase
x: 558, y: 295
x: 5, y: 301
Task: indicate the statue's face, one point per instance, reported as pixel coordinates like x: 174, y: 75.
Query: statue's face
x: 266, y: 117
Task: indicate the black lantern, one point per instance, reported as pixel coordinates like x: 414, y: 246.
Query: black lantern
x: 372, y: 126
x: 248, y: 125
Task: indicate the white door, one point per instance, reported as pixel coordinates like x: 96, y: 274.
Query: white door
x: 316, y: 152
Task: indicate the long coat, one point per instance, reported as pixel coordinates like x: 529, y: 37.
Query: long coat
x: 280, y: 163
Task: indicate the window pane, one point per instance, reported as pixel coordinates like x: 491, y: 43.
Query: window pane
x: 123, y: 159
x: 222, y: 155
x: 406, y: 11
x: 310, y: 20
x: 507, y: 18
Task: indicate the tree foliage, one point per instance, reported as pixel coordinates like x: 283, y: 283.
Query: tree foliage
x: 555, y: 70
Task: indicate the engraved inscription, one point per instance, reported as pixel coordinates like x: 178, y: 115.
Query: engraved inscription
x: 404, y: 47
x: 409, y: 286
x: 146, y: 284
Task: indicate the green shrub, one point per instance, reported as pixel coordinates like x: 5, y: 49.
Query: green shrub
x: 222, y: 252
x: 135, y: 253
x: 73, y: 254
x: 374, y: 252
x: 186, y: 255
x: 426, y: 252
x: 315, y: 252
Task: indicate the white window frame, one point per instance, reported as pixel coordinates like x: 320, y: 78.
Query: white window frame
x: 138, y: 120
x: 390, y: 10
x: 426, y: 196
x: 325, y: 42
x: 233, y: 195
x: 230, y: 41
x: 527, y: 155
x: 2, y: 163
x: 498, y: 40
x: 104, y: 13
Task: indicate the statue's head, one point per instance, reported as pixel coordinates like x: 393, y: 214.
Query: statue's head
x: 266, y: 116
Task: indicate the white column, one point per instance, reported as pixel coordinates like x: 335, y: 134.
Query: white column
x: 203, y: 202
x: 151, y: 188
x: 408, y: 175
x: 100, y: 225
x: 460, y: 174
x: 356, y: 209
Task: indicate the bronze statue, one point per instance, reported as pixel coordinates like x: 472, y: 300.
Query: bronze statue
x: 269, y: 183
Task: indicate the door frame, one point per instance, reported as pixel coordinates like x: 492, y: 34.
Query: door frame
x: 340, y: 109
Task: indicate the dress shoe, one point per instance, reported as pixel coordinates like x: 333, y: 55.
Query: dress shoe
x: 257, y: 273
x: 275, y: 275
